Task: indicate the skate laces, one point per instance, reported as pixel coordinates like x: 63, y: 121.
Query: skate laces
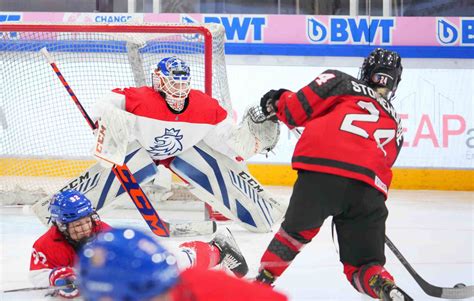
x: 231, y: 262
x: 231, y: 257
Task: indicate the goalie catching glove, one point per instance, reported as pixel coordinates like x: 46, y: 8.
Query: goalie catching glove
x: 256, y: 134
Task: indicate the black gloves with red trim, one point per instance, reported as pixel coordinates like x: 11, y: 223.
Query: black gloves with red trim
x: 268, y: 102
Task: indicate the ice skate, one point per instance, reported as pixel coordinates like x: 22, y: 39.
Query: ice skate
x: 266, y: 277
x: 231, y: 256
x: 387, y: 290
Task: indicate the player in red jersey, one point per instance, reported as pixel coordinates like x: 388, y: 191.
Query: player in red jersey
x: 74, y: 223
x: 351, y: 140
x: 126, y: 264
x: 190, y: 133
x: 169, y: 117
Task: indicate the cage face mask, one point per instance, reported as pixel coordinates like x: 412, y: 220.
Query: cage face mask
x: 172, y: 76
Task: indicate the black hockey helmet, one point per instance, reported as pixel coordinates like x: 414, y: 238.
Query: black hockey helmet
x: 382, y: 68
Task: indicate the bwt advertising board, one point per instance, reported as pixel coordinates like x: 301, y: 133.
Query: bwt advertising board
x: 436, y: 105
x: 297, y: 29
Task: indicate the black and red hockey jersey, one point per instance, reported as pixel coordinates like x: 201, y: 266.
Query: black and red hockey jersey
x: 349, y: 131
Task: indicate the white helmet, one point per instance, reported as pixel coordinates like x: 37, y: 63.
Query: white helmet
x: 172, y: 76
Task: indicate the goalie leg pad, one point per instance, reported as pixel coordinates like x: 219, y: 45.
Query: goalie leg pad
x: 100, y: 185
x: 225, y: 185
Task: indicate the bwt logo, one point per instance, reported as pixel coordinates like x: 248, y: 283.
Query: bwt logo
x: 448, y: 34
x: 343, y: 30
x: 10, y: 18
x: 237, y: 28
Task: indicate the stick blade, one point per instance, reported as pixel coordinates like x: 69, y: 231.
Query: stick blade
x: 457, y: 292
x: 193, y: 228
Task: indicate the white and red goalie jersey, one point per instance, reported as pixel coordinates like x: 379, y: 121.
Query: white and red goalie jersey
x: 200, y: 144
x: 164, y: 133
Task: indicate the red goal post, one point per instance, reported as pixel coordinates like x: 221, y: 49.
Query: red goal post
x: 44, y: 140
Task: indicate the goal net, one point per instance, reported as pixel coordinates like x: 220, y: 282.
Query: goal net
x: 45, y: 140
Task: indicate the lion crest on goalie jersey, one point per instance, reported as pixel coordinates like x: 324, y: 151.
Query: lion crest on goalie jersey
x: 167, y: 144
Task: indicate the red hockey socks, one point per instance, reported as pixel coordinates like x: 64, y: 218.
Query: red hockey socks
x: 367, y: 278
x: 282, y: 250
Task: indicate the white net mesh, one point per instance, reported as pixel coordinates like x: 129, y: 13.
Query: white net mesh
x: 44, y: 138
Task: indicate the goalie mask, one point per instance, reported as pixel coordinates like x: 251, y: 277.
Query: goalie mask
x: 382, y: 69
x: 172, y: 77
x: 74, y: 216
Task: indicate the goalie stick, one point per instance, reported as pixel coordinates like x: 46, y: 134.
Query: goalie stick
x: 456, y: 292
x: 156, y: 224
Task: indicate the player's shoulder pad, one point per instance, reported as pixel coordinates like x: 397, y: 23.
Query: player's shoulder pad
x: 331, y: 83
x: 136, y: 91
x: 339, y: 74
x: 208, y: 105
x: 139, y: 98
x: 50, y: 240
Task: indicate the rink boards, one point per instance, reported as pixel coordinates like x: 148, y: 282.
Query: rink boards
x: 267, y: 174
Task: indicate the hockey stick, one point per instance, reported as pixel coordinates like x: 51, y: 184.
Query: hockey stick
x: 41, y: 288
x: 157, y: 225
x: 459, y: 291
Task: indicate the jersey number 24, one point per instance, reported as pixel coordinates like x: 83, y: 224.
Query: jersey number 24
x: 381, y: 136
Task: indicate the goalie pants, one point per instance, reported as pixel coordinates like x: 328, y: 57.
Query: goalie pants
x: 358, y: 211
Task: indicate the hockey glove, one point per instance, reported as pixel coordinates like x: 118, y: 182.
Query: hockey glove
x: 268, y: 102
x: 65, y: 278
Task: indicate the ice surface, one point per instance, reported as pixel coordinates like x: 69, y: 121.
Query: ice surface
x: 433, y: 230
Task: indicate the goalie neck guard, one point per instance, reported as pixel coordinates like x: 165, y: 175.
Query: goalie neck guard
x: 125, y: 264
